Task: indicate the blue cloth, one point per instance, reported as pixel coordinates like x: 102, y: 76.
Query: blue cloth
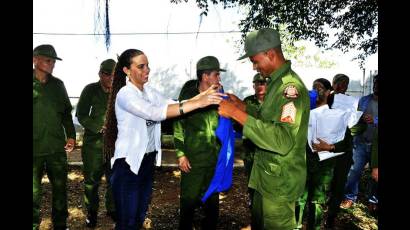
x: 222, y: 179
x: 313, y: 96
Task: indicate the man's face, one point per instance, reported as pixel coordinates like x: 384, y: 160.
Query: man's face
x: 212, y: 78
x: 340, y: 87
x: 44, y: 64
x: 106, y: 79
x: 262, y: 63
x: 259, y: 87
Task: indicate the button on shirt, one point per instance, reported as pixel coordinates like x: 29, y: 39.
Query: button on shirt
x: 133, y: 108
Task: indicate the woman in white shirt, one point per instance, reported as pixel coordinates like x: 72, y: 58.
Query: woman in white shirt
x: 132, y: 139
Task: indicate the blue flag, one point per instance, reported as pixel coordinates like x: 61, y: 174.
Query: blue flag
x: 222, y: 179
x: 313, y: 96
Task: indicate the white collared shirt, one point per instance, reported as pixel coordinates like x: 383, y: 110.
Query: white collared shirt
x: 132, y: 110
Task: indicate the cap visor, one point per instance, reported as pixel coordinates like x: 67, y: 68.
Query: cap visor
x: 223, y: 70
x: 242, y: 57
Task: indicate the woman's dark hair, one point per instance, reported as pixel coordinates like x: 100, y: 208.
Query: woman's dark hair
x: 110, y: 134
x: 325, y: 83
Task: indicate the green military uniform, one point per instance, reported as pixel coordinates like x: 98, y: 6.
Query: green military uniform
x: 249, y: 147
x: 319, y: 176
x: 279, y: 130
x: 279, y: 169
x: 91, y: 109
x: 52, y: 125
x: 194, y: 137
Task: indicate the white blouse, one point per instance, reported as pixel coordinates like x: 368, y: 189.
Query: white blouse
x: 132, y: 110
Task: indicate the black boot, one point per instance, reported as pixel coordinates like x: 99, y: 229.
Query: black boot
x: 91, y: 220
x: 112, y: 215
x: 330, y: 222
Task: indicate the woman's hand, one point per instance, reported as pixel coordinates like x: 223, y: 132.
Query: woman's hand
x: 209, y: 99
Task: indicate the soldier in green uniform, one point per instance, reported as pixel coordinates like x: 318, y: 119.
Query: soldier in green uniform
x: 259, y: 85
x: 53, y: 135
x: 197, y: 148
x: 91, y: 110
x: 278, y: 128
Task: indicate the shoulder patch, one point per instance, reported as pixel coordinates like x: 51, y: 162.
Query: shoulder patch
x: 291, y: 92
x: 288, y: 113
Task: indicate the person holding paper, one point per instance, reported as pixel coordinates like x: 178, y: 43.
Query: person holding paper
x: 319, y: 173
x: 342, y: 162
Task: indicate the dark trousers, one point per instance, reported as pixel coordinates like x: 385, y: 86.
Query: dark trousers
x: 94, y: 168
x: 340, y: 172
x: 132, y: 192
x: 55, y: 165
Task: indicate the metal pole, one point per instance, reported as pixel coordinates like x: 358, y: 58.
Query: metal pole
x: 364, y: 83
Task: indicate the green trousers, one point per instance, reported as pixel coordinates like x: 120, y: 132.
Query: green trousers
x: 55, y: 165
x: 93, y: 169
x: 314, y: 197
x: 193, y: 186
x: 272, y: 215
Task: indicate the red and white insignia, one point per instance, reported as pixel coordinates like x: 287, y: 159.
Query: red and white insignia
x: 291, y: 92
x: 288, y: 113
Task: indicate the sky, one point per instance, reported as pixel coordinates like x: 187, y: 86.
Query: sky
x: 172, y: 57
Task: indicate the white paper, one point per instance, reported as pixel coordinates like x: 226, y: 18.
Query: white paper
x: 345, y: 102
x: 323, y: 155
x: 329, y: 125
x: 349, y: 104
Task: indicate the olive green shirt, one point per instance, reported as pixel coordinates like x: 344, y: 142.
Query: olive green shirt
x: 279, y: 169
x: 249, y: 147
x: 91, y: 109
x: 194, y: 132
x: 52, y: 120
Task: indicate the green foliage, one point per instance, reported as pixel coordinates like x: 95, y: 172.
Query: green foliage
x: 355, y: 21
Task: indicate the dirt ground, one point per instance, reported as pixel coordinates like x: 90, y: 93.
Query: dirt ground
x: 163, y: 211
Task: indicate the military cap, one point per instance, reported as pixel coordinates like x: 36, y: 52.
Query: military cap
x: 107, y: 66
x: 340, y: 78
x: 208, y: 63
x: 46, y: 50
x: 259, y: 41
x: 259, y: 78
